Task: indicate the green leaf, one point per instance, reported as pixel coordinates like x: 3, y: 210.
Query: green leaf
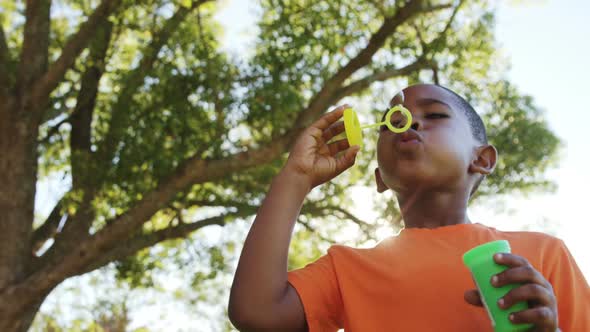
x: 186, y: 3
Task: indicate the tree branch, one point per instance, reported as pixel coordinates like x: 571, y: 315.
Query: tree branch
x: 365, y: 82
x: 135, y: 244
x: 452, y: 18
x: 48, y: 229
x: 435, y: 74
x: 81, y: 119
x: 320, y: 210
x: 119, y: 118
x: 193, y: 171
x: 420, y: 63
x: 438, y: 40
x: 251, y: 209
x: 219, y: 203
x: 4, y: 65
x: 420, y: 38
x: 313, y: 230
x: 80, y: 139
x: 438, y: 7
x: 79, y: 41
x: 350, y: 216
x: 4, y: 54
x: 326, y: 95
x: 83, y: 171
x: 443, y: 34
x: 35, y: 50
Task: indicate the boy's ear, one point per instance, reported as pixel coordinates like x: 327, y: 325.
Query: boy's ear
x: 485, y: 160
x: 381, y: 186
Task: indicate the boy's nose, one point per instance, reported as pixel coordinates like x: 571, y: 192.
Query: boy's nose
x: 416, y: 124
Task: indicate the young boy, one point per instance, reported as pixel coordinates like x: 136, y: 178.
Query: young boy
x: 415, y: 281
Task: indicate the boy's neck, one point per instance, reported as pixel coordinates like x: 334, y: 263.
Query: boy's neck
x: 431, y: 209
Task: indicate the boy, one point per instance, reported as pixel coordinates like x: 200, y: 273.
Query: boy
x: 415, y: 281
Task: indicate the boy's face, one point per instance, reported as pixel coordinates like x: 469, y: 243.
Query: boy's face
x: 435, y: 152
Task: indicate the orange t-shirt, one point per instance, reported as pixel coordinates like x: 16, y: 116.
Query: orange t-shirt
x: 415, y: 282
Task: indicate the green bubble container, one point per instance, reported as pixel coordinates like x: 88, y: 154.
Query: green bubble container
x: 480, y: 261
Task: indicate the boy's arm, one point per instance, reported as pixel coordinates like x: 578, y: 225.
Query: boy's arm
x: 260, y: 293
x: 261, y: 298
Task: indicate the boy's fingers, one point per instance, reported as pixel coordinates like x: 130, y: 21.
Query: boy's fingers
x: 338, y: 146
x: 333, y: 130
x: 472, y: 297
x: 510, y: 260
x: 329, y: 118
x: 528, y: 292
x: 540, y: 316
x: 519, y: 274
x: 347, y: 159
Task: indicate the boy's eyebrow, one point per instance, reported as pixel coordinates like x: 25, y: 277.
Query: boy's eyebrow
x: 430, y: 101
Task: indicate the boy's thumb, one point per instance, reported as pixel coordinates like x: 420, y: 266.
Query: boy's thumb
x: 351, y: 153
x: 347, y: 160
x: 472, y: 297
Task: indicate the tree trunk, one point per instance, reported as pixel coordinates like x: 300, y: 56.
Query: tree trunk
x: 23, y: 321
x: 18, y: 178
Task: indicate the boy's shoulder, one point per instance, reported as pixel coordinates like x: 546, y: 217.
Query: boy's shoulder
x: 520, y: 241
x: 539, y: 248
x: 371, y: 252
x: 533, y: 237
x: 340, y: 251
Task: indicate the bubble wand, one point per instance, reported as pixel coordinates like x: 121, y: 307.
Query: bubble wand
x: 353, y: 128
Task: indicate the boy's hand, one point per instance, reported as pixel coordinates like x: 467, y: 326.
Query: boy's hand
x: 316, y: 160
x: 536, y: 290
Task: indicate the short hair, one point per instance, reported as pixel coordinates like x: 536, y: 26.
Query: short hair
x: 478, y: 129
x: 476, y: 124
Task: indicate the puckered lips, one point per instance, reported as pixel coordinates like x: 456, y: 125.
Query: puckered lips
x: 408, y: 139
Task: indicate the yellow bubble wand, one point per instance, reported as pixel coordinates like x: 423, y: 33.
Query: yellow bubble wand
x: 353, y: 128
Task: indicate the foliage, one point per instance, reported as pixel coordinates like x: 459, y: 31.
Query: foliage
x: 168, y: 95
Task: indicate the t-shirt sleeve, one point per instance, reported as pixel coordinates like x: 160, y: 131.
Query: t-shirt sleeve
x: 317, y: 287
x: 571, y: 290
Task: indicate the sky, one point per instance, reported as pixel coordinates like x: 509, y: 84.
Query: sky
x: 547, y: 44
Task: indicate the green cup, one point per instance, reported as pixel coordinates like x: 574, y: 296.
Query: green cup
x: 480, y: 261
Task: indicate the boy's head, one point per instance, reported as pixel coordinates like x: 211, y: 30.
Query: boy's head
x: 445, y: 149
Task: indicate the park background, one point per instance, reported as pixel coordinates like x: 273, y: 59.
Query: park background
x: 539, y: 47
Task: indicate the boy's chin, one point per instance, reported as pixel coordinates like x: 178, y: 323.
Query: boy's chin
x: 409, y: 176
x: 411, y: 181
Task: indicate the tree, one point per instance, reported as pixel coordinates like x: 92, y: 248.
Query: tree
x: 161, y: 133
x: 108, y: 312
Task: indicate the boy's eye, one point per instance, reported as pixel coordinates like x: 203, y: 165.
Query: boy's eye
x: 437, y: 116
